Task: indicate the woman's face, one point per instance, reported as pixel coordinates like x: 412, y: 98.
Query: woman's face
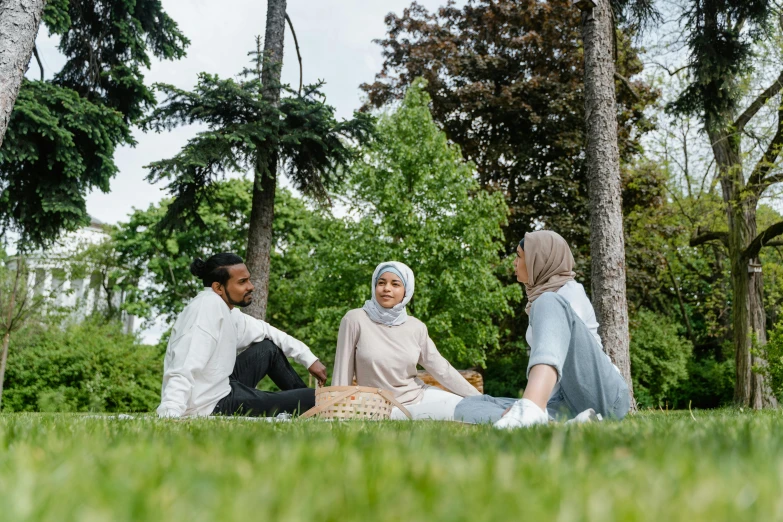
x: 389, y: 290
x: 520, y: 267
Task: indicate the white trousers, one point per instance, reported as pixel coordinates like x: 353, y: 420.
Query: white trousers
x: 436, y: 404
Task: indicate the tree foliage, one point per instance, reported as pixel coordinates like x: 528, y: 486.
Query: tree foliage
x: 89, y: 366
x: 412, y: 198
x: 720, y: 38
x: 107, y: 43
x: 63, y: 132
x: 506, y: 83
x: 773, y: 353
x: 58, y: 147
x: 158, y: 281
x: 244, y: 130
x: 723, y: 42
x: 659, y: 358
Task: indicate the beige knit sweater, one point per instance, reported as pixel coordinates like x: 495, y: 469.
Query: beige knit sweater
x: 386, y: 357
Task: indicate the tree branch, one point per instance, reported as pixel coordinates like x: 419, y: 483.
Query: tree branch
x: 298, y: 55
x: 706, y: 237
x: 756, y: 182
x: 628, y: 85
x: 679, y: 204
x: 758, y: 103
x: 671, y: 73
x: 683, y: 310
x: 762, y: 240
x: 38, y: 59
x: 770, y: 180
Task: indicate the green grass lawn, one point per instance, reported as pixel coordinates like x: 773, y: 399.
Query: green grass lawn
x: 724, y: 465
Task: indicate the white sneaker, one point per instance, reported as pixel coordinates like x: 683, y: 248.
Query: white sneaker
x: 589, y: 415
x: 524, y: 413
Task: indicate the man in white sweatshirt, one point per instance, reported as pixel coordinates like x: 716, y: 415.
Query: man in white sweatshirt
x: 217, y: 355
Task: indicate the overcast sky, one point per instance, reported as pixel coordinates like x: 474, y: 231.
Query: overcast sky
x: 335, y: 39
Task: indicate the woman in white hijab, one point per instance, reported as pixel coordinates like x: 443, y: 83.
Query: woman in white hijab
x: 381, y: 345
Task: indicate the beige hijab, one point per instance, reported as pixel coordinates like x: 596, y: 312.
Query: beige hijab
x: 549, y: 262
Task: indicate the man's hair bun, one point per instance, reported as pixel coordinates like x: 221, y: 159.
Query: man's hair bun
x: 215, y: 269
x: 198, y: 268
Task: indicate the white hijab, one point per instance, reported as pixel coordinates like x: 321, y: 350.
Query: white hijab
x: 396, y: 315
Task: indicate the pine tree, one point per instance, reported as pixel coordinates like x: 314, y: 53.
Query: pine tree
x: 248, y: 131
x: 63, y: 132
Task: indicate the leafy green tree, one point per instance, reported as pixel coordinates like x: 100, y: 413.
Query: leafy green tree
x: 671, y: 279
x: 245, y: 130
x: 506, y: 83
x: 100, y: 264
x: 63, y: 132
x: 413, y: 198
x: 58, y: 147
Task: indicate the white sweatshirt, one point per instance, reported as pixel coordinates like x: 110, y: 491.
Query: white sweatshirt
x: 576, y: 296
x: 203, y: 348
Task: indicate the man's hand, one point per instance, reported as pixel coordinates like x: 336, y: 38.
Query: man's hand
x: 318, y: 371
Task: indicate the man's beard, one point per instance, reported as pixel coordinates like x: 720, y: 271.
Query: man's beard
x: 245, y: 302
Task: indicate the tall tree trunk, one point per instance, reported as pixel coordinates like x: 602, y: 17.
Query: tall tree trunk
x: 260, y: 241
x: 19, y: 20
x: 748, y: 318
x: 740, y: 307
x: 607, y: 243
x: 747, y: 285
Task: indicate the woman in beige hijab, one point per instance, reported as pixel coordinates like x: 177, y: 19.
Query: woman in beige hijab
x: 568, y: 372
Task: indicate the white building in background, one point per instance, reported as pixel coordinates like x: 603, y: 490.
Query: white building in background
x: 49, y: 275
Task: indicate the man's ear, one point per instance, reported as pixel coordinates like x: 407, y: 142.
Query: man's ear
x: 218, y: 288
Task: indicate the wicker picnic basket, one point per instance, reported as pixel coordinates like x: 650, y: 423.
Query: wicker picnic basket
x: 353, y: 402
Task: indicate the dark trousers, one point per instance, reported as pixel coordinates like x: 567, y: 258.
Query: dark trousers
x: 260, y: 359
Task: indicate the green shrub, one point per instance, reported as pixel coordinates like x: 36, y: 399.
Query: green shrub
x: 505, y: 372
x: 659, y: 358
x: 710, y: 382
x: 89, y: 366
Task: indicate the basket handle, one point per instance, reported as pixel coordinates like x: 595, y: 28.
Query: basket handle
x: 389, y: 396
x: 315, y: 410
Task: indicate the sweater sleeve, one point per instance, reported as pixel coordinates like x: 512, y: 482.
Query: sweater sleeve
x: 443, y: 371
x: 345, y: 355
x: 251, y: 330
x: 188, y: 355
